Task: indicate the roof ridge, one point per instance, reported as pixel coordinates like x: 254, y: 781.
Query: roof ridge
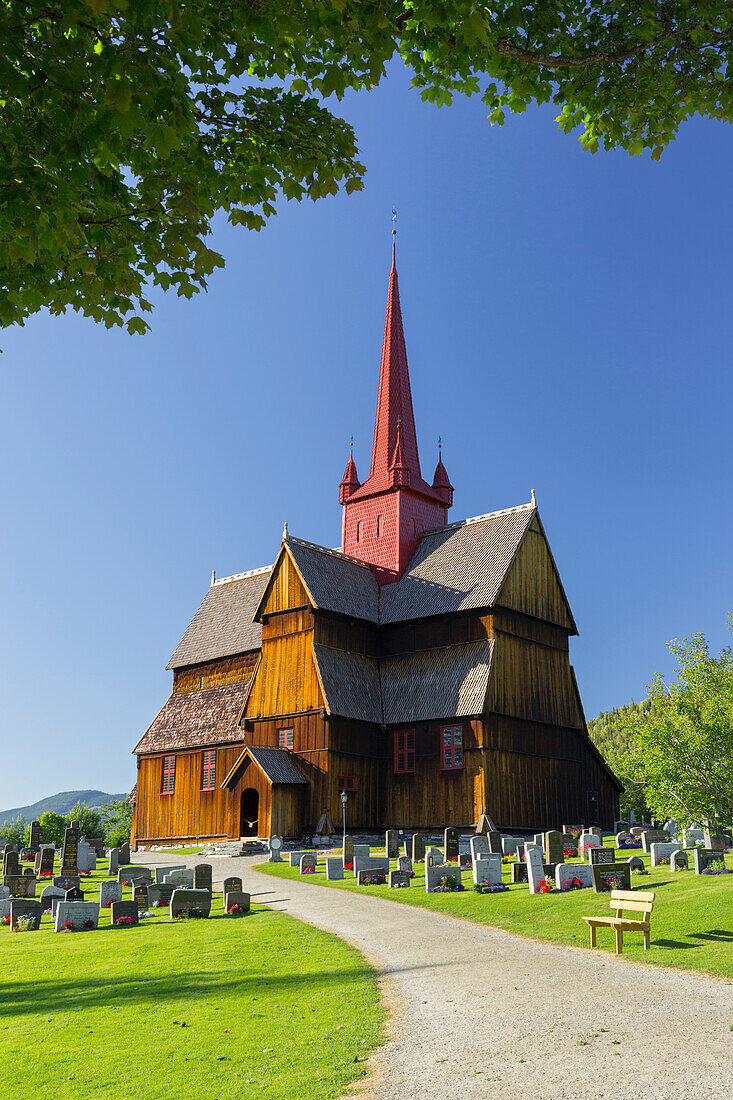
x: 479, y: 519
x: 328, y: 550
x: 240, y: 576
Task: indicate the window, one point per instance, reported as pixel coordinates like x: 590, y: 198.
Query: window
x: 208, y: 770
x: 379, y: 527
x: 285, y: 739
x: 404, y: 751
x: 168, y: 780
x: 358, y: 531
x: 452, y: 747
x: 201, y: 681
x: 348, y: 783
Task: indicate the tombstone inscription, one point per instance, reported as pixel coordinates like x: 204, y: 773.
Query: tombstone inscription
x: 140, y: 896
x: 69, y: 851
x: 82, y: 915
x: 109, y: 891
x: 487, y: 869
x: 239, y: 898
x: 601, y: 855
x: 34, y: 840
x: 74, y: 894
x: 535, y: 868
x: 610, y: 876
x: 44, y: 861
x: 334, y: 868
x: 398, y: 878
x: 450, y: 843
x: 183, y: 900
x: 20, y: 886
x: 202, y: 877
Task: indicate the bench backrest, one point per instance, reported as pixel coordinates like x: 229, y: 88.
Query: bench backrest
x: 638, y: 901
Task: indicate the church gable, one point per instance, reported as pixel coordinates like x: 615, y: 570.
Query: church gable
x: 285, y: 589
x: 532, y: 584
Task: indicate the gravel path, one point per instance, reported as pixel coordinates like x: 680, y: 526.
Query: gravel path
x: 477, y: 1012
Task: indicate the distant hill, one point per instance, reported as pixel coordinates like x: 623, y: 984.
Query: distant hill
x: 614, y: 746
x: 60, y: 803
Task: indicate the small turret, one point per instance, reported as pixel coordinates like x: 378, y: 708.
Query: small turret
x: 399, y: 473
x: 350, y: 481
x: 441, y: 481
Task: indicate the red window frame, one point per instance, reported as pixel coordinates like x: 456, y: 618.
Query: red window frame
x: 168, y: 775
x: 208, y: 770
x: 451, y: 748
x: 285, y: 742
x: 404, y: 752
x: 348, y: 783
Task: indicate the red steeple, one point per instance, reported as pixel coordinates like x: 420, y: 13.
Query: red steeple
x: 385, y: 518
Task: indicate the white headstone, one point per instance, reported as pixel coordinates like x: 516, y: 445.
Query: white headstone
x: 566, y: 872
x: 183, y: 878
x: 479, y: 846
x: 276, y: 844
x: 659, y: 851
x: 109, y: 892
x: 487, y: 869
x: 588, y: 840
x: 535, y: 866
x: 334, y: 868
x: 77, y: 912
x: 294, y: 858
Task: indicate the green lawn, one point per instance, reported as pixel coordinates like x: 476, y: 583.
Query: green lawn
x: 176, y: 851
x: 253, y: 1006
x: 692, y: 922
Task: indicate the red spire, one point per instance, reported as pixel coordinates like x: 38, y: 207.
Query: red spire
x: 350, y: 481
x: 398, y: 471
x: 441, y: 481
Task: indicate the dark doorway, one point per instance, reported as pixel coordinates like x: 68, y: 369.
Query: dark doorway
x: 249, y: 812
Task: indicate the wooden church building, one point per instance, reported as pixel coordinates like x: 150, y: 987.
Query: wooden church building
x: 423, y: 668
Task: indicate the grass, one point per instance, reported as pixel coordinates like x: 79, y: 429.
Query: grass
x: 217, y: 1009
x: 692, y: 922
x: 176, y: 852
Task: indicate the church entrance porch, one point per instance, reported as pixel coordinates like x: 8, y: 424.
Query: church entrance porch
x: 249, y: 810
x: 268, y: 793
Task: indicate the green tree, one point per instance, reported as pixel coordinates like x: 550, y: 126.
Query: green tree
x: 608, y: 734
x: 117, y: 818
x: 126, y: 126
x: 14, y: 830
x: 683, y: 745
x: 52, y: 828
x: 90, y: 821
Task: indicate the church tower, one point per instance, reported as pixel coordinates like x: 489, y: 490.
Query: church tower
x: 384, y: 518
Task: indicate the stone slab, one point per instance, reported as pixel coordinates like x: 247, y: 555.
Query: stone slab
x: 124, y: 909
x: 183, y: 899
x: 77, y: 912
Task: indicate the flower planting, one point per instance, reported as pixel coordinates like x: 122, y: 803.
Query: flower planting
x: 374, y: 880
x: 546, y: 886
x: 124, y: 922
x: 194, y: 913
x: 490, y: 888
x: 717, y: 867
x: 25, y: 924
x: 308, y: 871
x: 572, y: 884
x: 448, y: 885
x: 613, y: 883
x: 236, y: 910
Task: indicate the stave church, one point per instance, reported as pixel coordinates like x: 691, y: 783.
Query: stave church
x: 422, y: 669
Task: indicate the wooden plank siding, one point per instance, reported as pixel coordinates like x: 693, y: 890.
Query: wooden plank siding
x: 532, y: 584
x: 227, y: 671
x: 533, y: 681
x: 188, y: 813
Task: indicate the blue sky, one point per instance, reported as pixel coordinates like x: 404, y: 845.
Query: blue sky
x: 568, y: 327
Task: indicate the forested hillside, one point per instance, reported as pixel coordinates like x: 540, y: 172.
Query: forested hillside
x: 611, y: 741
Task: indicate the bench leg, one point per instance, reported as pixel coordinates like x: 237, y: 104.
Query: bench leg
x: 619, y: 941
x: 592, y: 935
x: 647, y: 940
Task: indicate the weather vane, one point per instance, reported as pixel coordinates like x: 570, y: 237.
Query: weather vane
x: 394, y: 222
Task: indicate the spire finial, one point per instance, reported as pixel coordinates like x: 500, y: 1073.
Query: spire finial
x: 351, y: 444
x: 440, y: 447
x: 285, y: 530
x: 534, y: 498
x: 394, y: 237
x: 213, y: 576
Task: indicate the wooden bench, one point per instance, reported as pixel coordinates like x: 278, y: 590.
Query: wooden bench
x: 633, y: 900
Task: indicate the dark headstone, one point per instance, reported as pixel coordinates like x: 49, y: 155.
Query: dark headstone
x: 44, y: 861
x: 391, y: 844
x: 231, y: 884
x: 237, y: 897
x: 653, y: 836
x: 519, y: 872
x: 702, y: 857
x: 603, y: 873
x: 398, y: 878
x: 553, y: 847
x: 134, y: 874
x: 28, y: 871
x: 124, y: 909
x: 35, y: 839
x: 464, y: 859
x: 348, y: 850
x: 601, y: 855
x: 124, y: 852
x: 636, y: 863
x: 69, y: 853
x: 74, y: 894
x: 184, y: 900
x: 202, y: 879
x: 11, y: 863
x: 66, y: 882
x: 418, y: 847
x: 20, y: 886
x: 162, y: 891
x: 27, y: 854
x: 714, y: 840
x: 678, y: 861
x: 495, y: 847
x: 450, y: 843
x: 22, y: 908
x: 140, y: 896
x: 74, y: 826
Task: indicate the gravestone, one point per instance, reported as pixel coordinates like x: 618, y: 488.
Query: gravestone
x: 114, y: 860
x: 74, y: 894
x: 398, y: 878
x: 371, y: 872
x: 69, y: 851
x: 97, y: 843
x: 594, y: 829
x: 566, y: 872
x: 518, y: 873
x: 652, y: 836
x: 659, y: 851
x: 569, y: 843
x: 124, y: 852
x: 182, y: 877
x: 237, y: 897
x: 347, y: 850
x: 182, y: 900
x: 713, y: 839
x: 161, y: 872
x: 636, y: 863
x: 34, y: 841
x: 121, y: 909
x: 4, y: 892
x: 161, y: 891
x: 371, y: 863
x: 134, y: 874
x: 20, y: 886
x: 140, y: 896
x: 361, y: 851
x: 86, y: 857
x: 535, y: 867
x: 438, y: 871
x: 433, y: 856
x: 109, y: 891
x: 487, y: 868
x: 231, y: 884
x: 678, y: 861
x: 637, y: 830
x: 334, y: 868
x: 11, y: 863
x: 27, y: 870
x: 404, y: 863
x: 495, y: 845
x: 202, y: 877
x: 66, y: 882
x: 27, y: 854
x: 478, y: 846
x: 450, y: 843
x: 74, y: 826
x: 308, y: 861
x: 602, y: 873
x: 464, y: 859
x: 77, y: 912
x: 691, y: 837
x: 619, y: 825
x: 5, y: 904
x: 512, y: 845
x: 587, y: 840
x: 418, y: 847
x: 702, y: 857
x: 44, y: 861
x: 553, y: 847
x: 623, y: 837
x: 22, y: 908
x: 294, y: 858
x: 539, y: 839
x: 48, y: 893
x: 276, y: 847
x: 601, y: 855
x: 392, y: 843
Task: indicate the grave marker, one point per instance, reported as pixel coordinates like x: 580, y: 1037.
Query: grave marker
x: 495, y: 845
x: 636, y: 863
x: 182, y: 900
x: 11, y: 863
x: 276, y: 845
x: 124, y: 852
x: 114, y: 860
x: 124, y: 909
x: 487, y: 868
x: 603, y: 877
x: 535, y: 867
x: 294, y: 858
x: 438, y: 871
x: 391, y: 844
x: 678, y: 861
x: 77, y: 912
x: 202, y: 877
x: 404, y: 863
x: 601, y: 855
x: 450, y: 843
x: 553, y: 847
x: 433, y: 856
x: 347, y: 850
x: 660, y: 851
x: 44, y: 861
x: 109, y: 891
x: 566, y: 872
x: 237, y: 897
x: 713, y: 839
x: 69, y: 851
x: 161, y: 891
x: 48, y: 893
x: 307, y: 862
x: 231, y: 884
x: 66, y: 882
x: 479, y: 846
x: 20, y: 886
x: 34, y: 841
x: 398, y: 878
x: 140, y: 896
x: 418, y: 847
x: 371, y: 872
x: 334, y: 868
x: 702, y: 857
x: 652, y: 836
x: 20, y: 907
x: 74, y: 894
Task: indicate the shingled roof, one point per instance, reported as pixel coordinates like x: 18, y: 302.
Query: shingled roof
x: 223, y: 624
x: 278, y: 765
x: 192, y: 718
x: 350, y: 683
x: 457, y: 568
x: 335, y: 581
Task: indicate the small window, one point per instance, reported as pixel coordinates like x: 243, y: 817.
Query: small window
x: 168, y: 780
x: 348, y: 783
x: 208, y: 770
x: 451, y: 747
x: 379, y: 527
x: 404, y: 751
x: 285, y: 739
x: 201, y: 681
x: 358, y: 531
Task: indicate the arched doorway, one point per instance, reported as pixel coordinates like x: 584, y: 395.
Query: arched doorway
x: 249, y: 812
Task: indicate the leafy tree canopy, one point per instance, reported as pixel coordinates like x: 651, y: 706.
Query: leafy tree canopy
x: 683, y: 746
x: 125, y: 125
x: 90, y: 821
x: 52, y: 828
x: 611, y: 739
x: 117, y: 818
x: 15, y: 831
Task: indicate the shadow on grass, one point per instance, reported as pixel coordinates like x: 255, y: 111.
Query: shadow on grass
x: 721, y: 934
x: 678, y: 945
